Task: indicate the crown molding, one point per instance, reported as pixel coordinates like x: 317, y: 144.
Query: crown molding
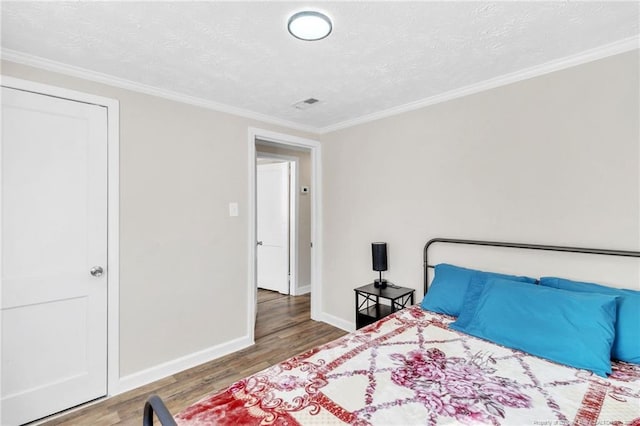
x: 70, y: 70
x: 590, y: 55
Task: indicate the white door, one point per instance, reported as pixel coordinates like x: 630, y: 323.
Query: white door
x: 273, y: 226
x: 54, y: 231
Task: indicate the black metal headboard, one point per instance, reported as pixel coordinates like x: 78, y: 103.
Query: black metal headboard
x: 606, y: 252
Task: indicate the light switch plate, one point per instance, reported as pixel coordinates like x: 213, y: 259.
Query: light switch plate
x: 233, y: 209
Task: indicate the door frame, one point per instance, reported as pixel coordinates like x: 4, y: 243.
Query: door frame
x: 316, y: 218
x: 113, y: 220
x: 293, y: 216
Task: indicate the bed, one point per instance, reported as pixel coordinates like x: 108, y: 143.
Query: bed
x: 423, y: 367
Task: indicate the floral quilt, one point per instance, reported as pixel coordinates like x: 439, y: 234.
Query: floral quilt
x: 411, y: 369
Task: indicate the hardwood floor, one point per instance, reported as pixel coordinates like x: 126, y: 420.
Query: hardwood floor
x: 283, y: 329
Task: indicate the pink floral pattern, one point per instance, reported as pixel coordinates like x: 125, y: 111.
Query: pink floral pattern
x: 466, y: 390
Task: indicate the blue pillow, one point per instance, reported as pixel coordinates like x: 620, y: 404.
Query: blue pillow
x: 449, y: 286
x: 626, y: 346
x: 471, y: 297
x: 576, y: 329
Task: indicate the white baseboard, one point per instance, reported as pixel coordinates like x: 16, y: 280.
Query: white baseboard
x: 337, y: 322
x: 165, y: 369
x: 302, y: 290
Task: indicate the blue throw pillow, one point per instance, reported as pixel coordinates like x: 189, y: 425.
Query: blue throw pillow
x: 576, y: 329
x: 626, y: 346
x: 450, y: 284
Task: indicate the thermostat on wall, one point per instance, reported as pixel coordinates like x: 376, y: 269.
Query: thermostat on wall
x: 304, y: 189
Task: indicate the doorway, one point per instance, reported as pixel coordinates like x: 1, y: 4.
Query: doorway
x: 277, y: 222
x: 302, y: 156
x: 59, y: 249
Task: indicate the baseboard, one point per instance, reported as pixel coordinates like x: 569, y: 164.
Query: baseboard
x: 302, y: 290
x: 337, y: 322
x: 163, y: 370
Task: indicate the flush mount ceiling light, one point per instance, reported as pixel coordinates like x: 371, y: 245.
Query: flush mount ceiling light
x: 310, y: 26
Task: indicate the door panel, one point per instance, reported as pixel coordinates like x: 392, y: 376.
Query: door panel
x: 273, y: 226
x: 54, y: 229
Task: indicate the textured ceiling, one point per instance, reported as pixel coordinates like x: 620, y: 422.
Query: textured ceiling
x: 380, y: 55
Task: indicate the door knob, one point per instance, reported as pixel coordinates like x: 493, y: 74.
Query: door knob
x: 96, y: 271
x: 259, y: 243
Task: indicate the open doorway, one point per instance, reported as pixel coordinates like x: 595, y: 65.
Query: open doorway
x: 283, y: 229
x: 277, y: 222
x: 294, y: 197
x: 289, y: 161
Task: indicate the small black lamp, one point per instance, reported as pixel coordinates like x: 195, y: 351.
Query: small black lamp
x: 379, y: 257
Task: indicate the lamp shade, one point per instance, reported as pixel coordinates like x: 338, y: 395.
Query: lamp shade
x: 379, y: 256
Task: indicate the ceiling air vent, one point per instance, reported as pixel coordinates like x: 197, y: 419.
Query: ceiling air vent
x: 307, y: 103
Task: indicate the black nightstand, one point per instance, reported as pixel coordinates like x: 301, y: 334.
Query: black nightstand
x: 368, y: 306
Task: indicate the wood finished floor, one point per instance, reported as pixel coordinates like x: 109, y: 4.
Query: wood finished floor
x: 283, y: 329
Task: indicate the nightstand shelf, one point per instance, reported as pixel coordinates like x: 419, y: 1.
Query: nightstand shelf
x: 374, y: 303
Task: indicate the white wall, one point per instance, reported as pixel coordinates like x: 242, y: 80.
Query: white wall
x: 183, y: 265
x: 552, y: 160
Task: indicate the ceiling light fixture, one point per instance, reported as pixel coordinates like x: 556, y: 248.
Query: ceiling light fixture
x: 309, y: 25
